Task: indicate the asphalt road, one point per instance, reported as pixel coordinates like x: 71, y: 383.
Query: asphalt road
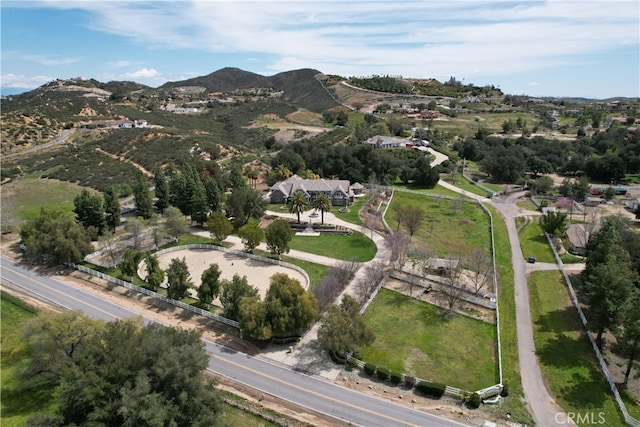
x: 341, y: 403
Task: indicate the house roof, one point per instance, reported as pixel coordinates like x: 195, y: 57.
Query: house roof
x: 579, y: 234
x: 295, y: 183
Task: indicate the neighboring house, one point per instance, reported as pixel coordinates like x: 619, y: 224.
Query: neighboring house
x: 111, y: 124
x: 180, y: 110
x: 632, y: 204
x: 339, y: 190
x: 388, y: 142
x: 357, y: 188
x: 579, y: 235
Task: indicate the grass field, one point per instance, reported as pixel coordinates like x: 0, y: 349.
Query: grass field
x: 20, y: 399
x: 24, y: 198
x: 532, y: 240
x: 450, y: 228
x: 353, y: 247
x: 564, y: 353
x: 352, y: 215
x: 412, y: 337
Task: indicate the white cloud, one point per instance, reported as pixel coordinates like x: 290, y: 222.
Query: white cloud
x: 483, y: 39
x: 21, y: 81
x: 354, y: 38
x: 49, y: 60
x: 143, y: 73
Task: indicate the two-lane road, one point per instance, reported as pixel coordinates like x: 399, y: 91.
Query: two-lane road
x: 311, y: 392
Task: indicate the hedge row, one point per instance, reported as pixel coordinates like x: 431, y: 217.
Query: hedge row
x: 431, y: 389
x: 383, y: 373
x: 370, y: 368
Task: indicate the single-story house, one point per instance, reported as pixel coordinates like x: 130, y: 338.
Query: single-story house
x: 579, y: 235
x: 388, y: 142
x: 340, y: 191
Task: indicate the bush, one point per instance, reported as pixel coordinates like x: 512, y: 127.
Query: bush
x: 395, y: 377
x: 428, y: 388
x: 383, y: 373
x: 474, y: 401
x: 410, y: 381
x: 370, y: 368
x: 353, y: 362
x: 336, y: 358
x: 505, y: 390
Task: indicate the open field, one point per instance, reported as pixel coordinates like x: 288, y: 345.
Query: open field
x: 450, y: 227
x: 414, y: 338
x: 23, y: 199
x: 564, y: 353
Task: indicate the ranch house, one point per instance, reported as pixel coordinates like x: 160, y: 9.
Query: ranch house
x: 340, y: 191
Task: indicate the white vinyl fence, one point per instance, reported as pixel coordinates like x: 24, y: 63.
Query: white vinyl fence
x: 153, y: 294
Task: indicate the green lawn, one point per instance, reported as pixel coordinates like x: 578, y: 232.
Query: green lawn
x: 447, y: 231
x: 352, y: 214
x: 564, y: 352
x: 532, y: 240
x: 20, y: 399
x: 315, y: 271
x: 355, y: 246
x: 413, y: 338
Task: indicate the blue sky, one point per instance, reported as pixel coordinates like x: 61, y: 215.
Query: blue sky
x: 584, y: 48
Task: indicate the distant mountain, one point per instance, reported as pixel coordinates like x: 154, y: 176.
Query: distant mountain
x: 301, y: 88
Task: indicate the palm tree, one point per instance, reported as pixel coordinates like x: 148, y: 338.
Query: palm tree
x: 322, y: 203
x: 282, y: 172
x: 298, y: 203
x: 253, y: 175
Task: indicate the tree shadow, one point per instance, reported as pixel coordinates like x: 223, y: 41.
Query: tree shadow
x: 562, y: 320
x: 586, y: 391
x: 564, y: 351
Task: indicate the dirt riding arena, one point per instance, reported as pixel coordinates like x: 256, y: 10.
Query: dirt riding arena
x: 258, y: 273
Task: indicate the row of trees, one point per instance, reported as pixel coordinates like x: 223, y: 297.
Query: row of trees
x: 286, y: 310
x: 357, y: 162
x: 610, y: 287
x: 606, y: 156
